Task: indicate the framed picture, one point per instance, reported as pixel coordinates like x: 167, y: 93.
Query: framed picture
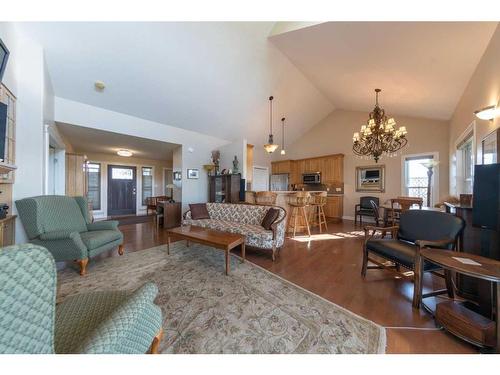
x: 177, y: 176
x: 491, y: 146
x: 370, y: 178
x: 193, y: 173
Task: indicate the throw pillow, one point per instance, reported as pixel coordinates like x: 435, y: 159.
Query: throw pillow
x: 199, y: 211
x: 271, y: 216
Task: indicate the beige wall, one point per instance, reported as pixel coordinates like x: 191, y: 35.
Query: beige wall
x: 482, y: 90
x: 334, y: 135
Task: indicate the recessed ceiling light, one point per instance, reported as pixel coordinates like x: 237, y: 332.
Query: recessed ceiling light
x: 126, y: 153
x: 487, y: 113
x: 99, y: 85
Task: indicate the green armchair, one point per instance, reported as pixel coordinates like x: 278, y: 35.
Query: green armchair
x: 62, y: 225
x: 115, y: 322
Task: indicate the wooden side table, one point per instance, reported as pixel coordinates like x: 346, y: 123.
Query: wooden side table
x: 486, y: 269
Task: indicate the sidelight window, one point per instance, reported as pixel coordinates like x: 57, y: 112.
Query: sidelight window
x: 147, y: 183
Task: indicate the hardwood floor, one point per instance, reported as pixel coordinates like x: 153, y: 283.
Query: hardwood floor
x: 329, y: 265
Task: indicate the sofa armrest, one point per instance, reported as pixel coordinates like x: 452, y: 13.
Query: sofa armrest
x: 103, y: 225
x: 274, y: 225
x: 59, y: 235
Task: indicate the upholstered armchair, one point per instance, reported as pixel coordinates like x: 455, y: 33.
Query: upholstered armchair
x: 63, y: 226
x: 98, y: 322
x: 417, y: 229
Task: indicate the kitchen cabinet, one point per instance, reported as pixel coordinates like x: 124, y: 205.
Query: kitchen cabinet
x: 281, y: 167
x: 331, y: 168
x: 334, y: 207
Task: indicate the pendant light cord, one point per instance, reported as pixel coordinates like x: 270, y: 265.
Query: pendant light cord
x: 271, y: 114
x: 283, y: 132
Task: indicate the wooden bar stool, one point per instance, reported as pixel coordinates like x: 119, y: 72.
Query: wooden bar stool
x: 265, y: 198
x: 317, y: 202
x: 299, y: 202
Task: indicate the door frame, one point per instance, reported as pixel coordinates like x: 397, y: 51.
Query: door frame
x: 108, y: 187
x: 165, y: 169
x: 260, y: 168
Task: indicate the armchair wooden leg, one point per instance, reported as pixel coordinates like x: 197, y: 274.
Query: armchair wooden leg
x: 365, y: 262
x: 155, y: 345
x: 120, y: 249
x: 418, y: 283
x: 274, y: 253
x: 82, y: 263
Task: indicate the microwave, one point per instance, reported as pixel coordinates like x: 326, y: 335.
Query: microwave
x: 311, y: 178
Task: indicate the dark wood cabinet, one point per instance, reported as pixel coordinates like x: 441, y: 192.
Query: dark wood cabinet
x: 169, y: 214
x: 225, y: 188
x: 481, y: 242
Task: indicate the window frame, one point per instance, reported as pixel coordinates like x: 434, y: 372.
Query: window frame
x: 435, y: 176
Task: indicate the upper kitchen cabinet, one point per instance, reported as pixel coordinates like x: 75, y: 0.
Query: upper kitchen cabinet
x: 278, y: 167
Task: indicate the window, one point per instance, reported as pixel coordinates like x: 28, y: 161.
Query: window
x: 147, y: 183
x: 416, y: 177
x: 122, y: 174
x: 465, y: 167
x: 94, y: 185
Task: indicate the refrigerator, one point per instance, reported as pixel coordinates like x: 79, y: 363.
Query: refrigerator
x: 279, y: 182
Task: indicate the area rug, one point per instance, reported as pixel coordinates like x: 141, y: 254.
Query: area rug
x: 250, y: 311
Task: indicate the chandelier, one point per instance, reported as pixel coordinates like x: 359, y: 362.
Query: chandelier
x: 270, y: 146
x: 379, y: 135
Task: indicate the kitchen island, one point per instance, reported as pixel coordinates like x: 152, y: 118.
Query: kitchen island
x: 333, y: 207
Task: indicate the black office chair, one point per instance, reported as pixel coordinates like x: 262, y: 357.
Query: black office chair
x: 364, y: 208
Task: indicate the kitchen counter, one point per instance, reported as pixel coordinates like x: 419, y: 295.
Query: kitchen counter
x: 333, y: 207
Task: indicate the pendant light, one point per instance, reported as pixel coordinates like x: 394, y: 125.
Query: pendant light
x: 270, y: 146
x: 283, y: 152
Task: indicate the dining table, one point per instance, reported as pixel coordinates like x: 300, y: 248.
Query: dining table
x: 397, y: 209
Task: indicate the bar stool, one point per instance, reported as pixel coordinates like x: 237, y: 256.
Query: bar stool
x: 265, y: 198
x: 298, y: 202
x: 318, y: 201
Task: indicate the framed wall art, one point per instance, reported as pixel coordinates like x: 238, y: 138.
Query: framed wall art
x: 370, y: 178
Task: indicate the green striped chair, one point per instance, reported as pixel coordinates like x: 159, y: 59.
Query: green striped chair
x: 62, y: 225
x: 98, y: 322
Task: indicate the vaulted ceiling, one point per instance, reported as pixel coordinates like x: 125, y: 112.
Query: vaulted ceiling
x: 215, y: 77
x: 422, y: 67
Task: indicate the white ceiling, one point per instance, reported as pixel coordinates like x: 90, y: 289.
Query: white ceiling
x: 422, y: 67
x: 88, y: 140
x: 210, y: 77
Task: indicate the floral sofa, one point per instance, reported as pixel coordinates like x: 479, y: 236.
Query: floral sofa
x: 244, y: 219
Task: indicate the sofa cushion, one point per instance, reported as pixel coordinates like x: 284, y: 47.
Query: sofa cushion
x: 271, y: 216
x: 98, y: 238
x: 401, y: 252
x: 199, y: 211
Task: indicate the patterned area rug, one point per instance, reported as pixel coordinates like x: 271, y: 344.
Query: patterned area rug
x: 249, y: 311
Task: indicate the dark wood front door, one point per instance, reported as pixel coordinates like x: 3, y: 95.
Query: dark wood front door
x: 121, y: 190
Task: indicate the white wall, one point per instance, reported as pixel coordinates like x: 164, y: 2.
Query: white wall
x: 27, y: 76
x: 229, y: 151
x: 196, y: 147
x: 482, y: 90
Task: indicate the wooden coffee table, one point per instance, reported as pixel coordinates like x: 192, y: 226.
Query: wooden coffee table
x: 220, y: 240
